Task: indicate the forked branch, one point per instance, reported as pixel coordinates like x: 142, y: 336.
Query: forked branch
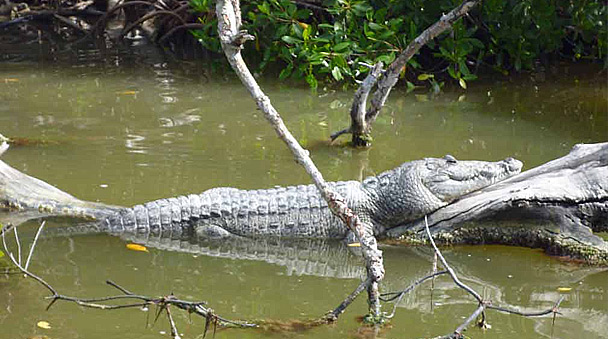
x: 129, y: 299
x: 361, y: 123
x: 232, y: 39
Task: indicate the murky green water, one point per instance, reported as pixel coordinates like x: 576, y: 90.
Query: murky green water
x: 135, y: 132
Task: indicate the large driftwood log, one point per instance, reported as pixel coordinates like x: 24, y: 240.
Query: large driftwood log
x: 557, y: 206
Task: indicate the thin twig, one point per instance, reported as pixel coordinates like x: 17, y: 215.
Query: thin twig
x: 553, y: 310
x: 399, y: 295
x: 18, y: 244
x: 177, y: 28
x: 70, y: 23
x: 333, y: 315
x: 26, y: 272
x: 435, y: 259
x: 29, y: 257
x: 7, y: 228
x: 148, y: 17
x: 473, y: 316
x: 120, y: 288
x: 193, y: 307
x: 448, y: 268
x: 174, y: 332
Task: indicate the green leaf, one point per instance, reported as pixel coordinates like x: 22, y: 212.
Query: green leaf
x: 452, y: 72
x: 386, y: 58
x: 337, y: 27
x: 360, y: 8
x: 290, y: 40
x: 264, y: 8
x: 463, y: 68
x: 470, y: 77
x: 445, y: 53
x: 312, y: 81
x: 462, y: 83
x: 342, y: 46
x: 410, y: 86
x: 297, y: 29
x: 303, y: 14
x: 335, y: 72
x: 412, y: 62
x: 340, y: 61
x: 425, y: 76
x: 306, y: 32
x: 374, y: 26
x: 286, y: 72
x: 476, y: 43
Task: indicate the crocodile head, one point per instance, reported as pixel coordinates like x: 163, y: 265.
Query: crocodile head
x: 420, y: 187
x: 447, y: 179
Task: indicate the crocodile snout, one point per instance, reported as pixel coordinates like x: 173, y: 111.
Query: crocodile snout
x: 513, y: 165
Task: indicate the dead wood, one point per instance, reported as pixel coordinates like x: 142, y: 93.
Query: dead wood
x: 557, y: 207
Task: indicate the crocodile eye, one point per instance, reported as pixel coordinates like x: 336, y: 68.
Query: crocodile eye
x: 450, y: 159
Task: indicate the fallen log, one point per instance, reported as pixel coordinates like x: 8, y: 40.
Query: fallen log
x: 560, y: 206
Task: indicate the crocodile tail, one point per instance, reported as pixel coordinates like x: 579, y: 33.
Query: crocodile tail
x: 22, y: 193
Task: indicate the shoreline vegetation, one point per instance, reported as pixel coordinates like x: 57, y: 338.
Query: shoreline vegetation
x: 333, y: 41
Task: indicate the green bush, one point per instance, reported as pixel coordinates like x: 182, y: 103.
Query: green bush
x: 328, y: 41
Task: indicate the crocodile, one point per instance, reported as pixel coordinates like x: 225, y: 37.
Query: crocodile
x: 384, y: 201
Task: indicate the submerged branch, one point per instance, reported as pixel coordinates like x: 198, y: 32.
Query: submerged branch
x: 482, y: 304
x: 399, y: 295
x: 552, y: 310
x: 460, y: 329
x: 333, y: 315
x: 359, y: 127
x: 197, y: 308
x: 449, y: 269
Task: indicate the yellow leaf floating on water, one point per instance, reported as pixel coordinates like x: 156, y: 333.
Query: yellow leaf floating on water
x: 564, y: 289
x: 128, y: 92
x: 7, y: 80
x: 354, y: 244
x: 136, y: 247
x: 43, y: 324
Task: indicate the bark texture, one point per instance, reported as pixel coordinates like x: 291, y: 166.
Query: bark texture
x: 557, y: 206
x: 232, y: 39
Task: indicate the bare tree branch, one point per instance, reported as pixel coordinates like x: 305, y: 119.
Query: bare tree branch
x: 399, y: 295
x: 482, y: 304
x: 197, y: 308
x: 360, y: 128
x: 449, y: 269
x: 232, y: 39
x: 333, y: 315
x: 3, y: 147
x: 458, y: 332
x: 29, y: 257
